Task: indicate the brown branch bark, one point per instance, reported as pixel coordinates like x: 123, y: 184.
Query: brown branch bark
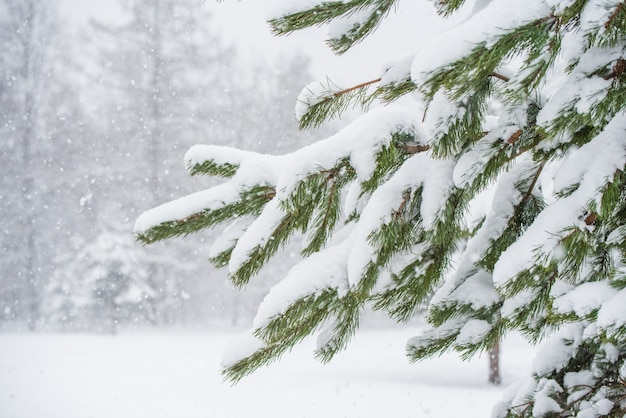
x: 515, y: 137
x: 189, y: 218
x: 405, y: 199
x: 500, y: 76
x: 613, y: 15
x: 618, y: 69
x: 591, y: 218
x: 358, y: 86
x: 415, y: 149
x: 348, y: 90
x: 529, y: 193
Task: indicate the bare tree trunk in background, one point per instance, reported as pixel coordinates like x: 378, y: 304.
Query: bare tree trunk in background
x: 28, y: 189
x: 236, y: 303
x: 494, y: 364
x: 156, y: 124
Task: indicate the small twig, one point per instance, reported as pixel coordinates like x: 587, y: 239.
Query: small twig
x: 533, y: 183
x: 525, y: 405
x: 358, y: 86
x: 348, y: 90
x: 500, y: 76
x: 520, y: 152
x: 330, y: 200
x: 526, y: 197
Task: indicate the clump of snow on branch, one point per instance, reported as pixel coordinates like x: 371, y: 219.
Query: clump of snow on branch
x: 314, y: 93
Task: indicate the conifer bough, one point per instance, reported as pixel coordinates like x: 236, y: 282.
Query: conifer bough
x: 501, y: 207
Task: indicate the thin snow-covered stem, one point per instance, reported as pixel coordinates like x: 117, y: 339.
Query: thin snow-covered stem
x: 358, y: 86
x: 533, y: 183
x: 331, y: 178
x: 351, y: 89
x: 405, y: 199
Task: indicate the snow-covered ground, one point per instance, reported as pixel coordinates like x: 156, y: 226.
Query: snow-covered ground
x: 176, y: 374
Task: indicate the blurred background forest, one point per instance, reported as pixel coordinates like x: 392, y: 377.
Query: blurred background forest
x: 94, y: 123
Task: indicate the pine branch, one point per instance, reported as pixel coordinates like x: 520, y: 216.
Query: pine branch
x: 332, y: 104
x: 466, y: 76
x: 391, y: 157
x: 262, y: 253
x: 347, y: 314
x: 464, y: 128
x: 388, y: 93
x: 212, y: 168
x: 318, y: 15
x: 550, y: 257
x: 361, y: 29
x: 284, y: 331
x: 300, y: 318
x: 418, y: 279
x: 374, y: 11
x: 332, y: 198
x: 447, y: 7
x: 327, y: 188
x: 358, y: 86
x: 518, y: 143
x: 250, y: 203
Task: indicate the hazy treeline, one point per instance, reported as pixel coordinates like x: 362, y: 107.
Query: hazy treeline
x: 94, y: 126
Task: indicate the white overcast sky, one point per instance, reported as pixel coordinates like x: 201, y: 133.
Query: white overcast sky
x: 243, y: 22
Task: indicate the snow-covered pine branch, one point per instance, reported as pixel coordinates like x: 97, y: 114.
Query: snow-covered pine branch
x: 525, y: 119
x: 350, y: 21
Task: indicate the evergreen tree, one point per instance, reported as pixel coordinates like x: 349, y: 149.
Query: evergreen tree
x: 161, y: 73
x: 518, y: 109
x: 166, y: 80
x: 102, y: 286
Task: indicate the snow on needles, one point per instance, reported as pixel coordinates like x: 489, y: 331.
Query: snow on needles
x: 321, y: 271
x: 359, y: 142
x: 184, y: 207
x: 612, y: 314
x: 314, y: 93
x: 584, y: 299
x: 278, y: 8
x: 435, y: 176
x: 487, y: 23
x: 545, y: 174
x: 590, y: 165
